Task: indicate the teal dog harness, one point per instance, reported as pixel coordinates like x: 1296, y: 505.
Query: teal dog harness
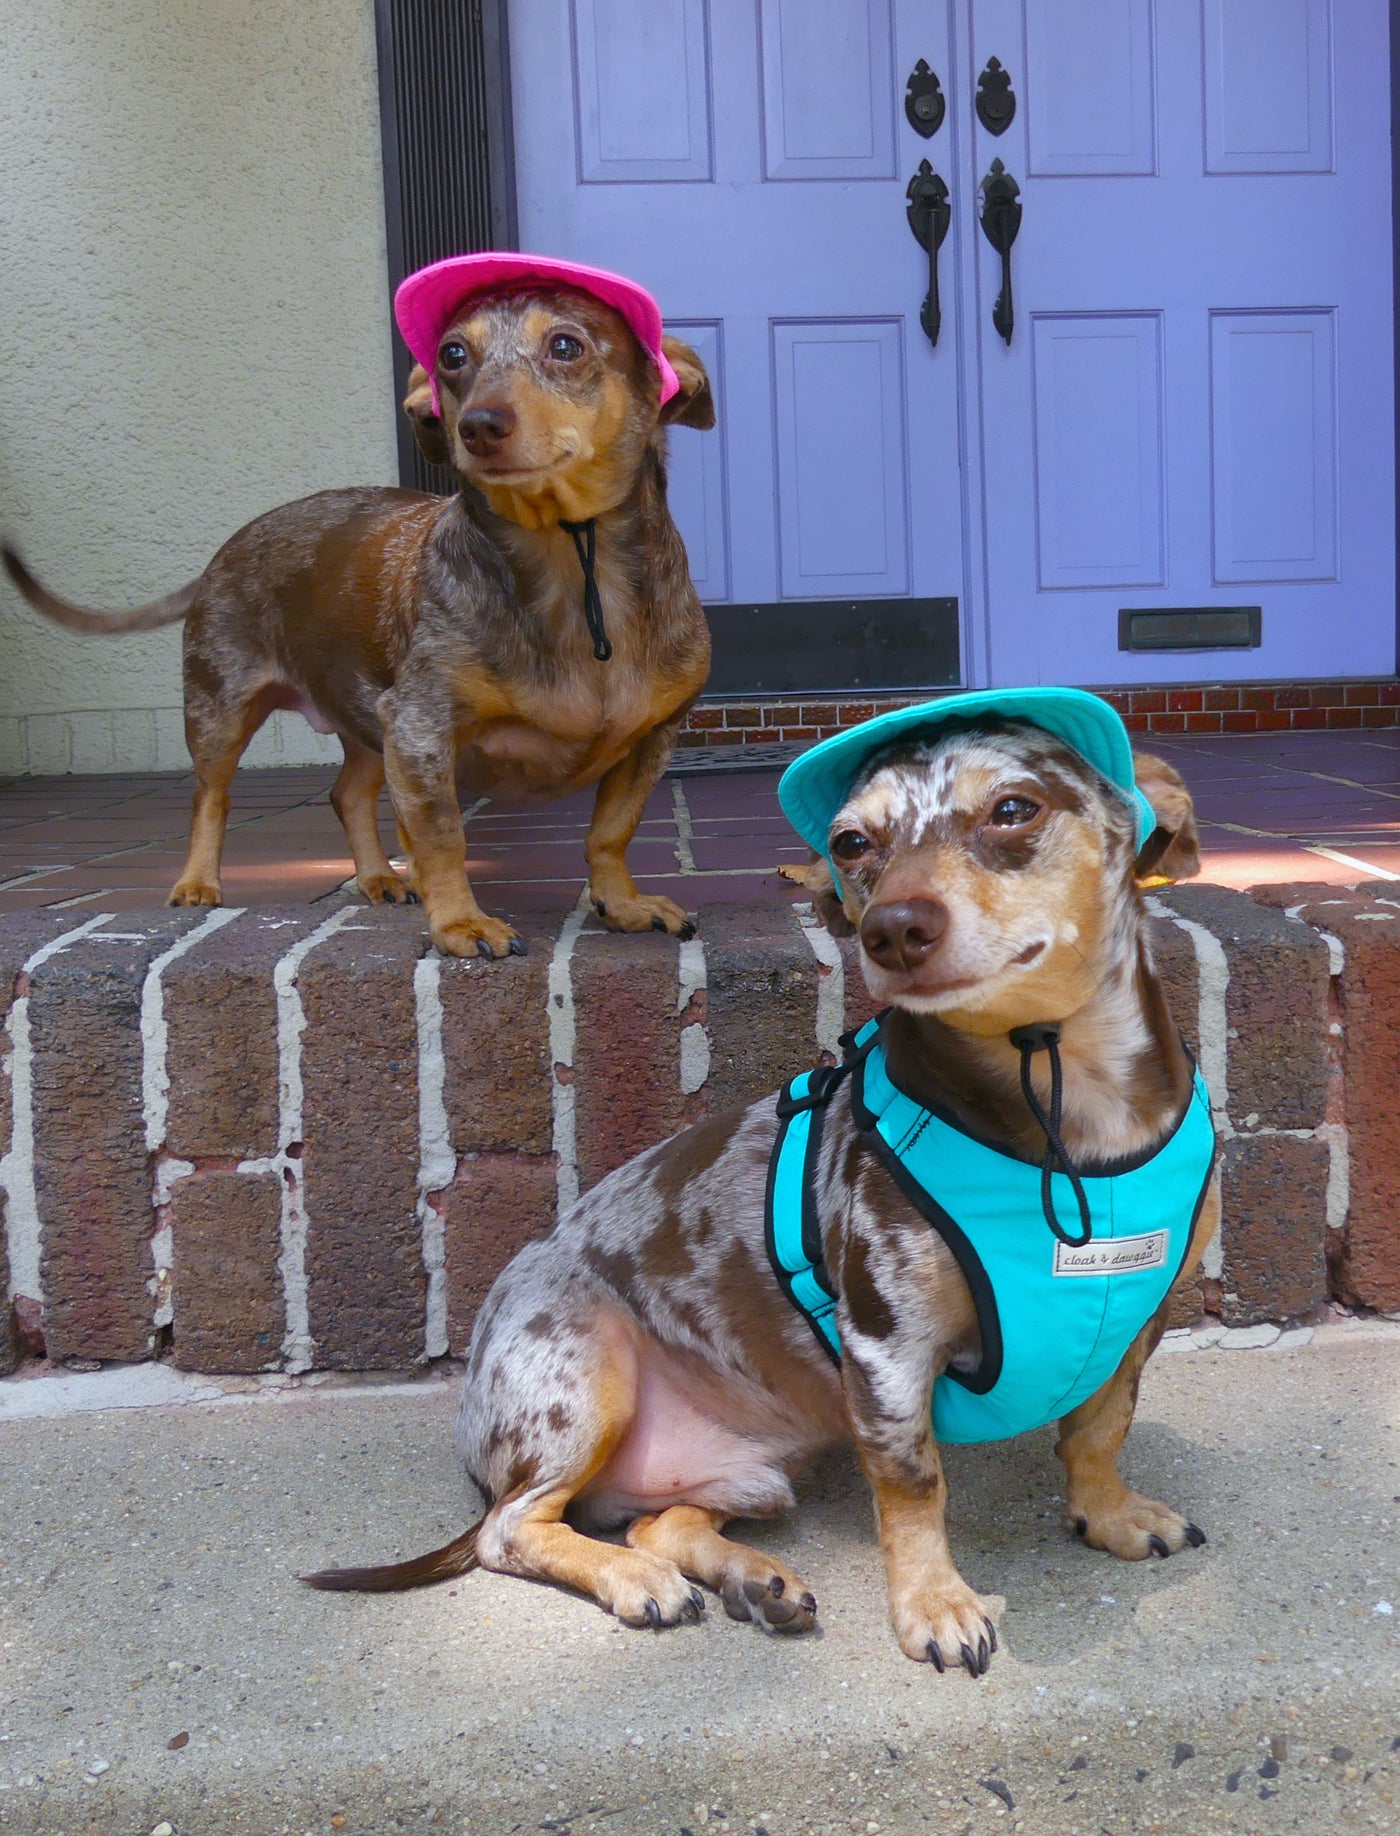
x: 1057, y: 1309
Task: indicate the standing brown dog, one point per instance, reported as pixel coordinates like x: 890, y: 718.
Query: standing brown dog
x: 444, y: 640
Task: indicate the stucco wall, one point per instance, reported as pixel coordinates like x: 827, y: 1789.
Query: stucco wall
x: 193, y: 327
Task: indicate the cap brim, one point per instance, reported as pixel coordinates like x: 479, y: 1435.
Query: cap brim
x: 426, y: 301
x: 813, y: 789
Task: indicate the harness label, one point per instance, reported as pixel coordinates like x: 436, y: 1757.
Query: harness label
x: 1116, y: 1256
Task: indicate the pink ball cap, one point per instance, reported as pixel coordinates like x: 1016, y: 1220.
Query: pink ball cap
x: 426, y: 302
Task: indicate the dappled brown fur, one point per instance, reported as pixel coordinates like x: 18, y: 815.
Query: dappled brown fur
x: 642, y: 1367
x: 443, y: 639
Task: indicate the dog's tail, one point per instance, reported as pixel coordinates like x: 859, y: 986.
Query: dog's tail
x: 79, y: 618
x: 455, y: 1558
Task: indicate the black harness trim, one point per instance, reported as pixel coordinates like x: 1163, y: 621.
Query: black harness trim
x: 586, y: 546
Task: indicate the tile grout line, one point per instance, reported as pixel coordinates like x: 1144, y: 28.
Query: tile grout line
x: 685, y: 835
x: 563, y: 1042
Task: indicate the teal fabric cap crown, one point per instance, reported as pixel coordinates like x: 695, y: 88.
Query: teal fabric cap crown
x: 813, y: 789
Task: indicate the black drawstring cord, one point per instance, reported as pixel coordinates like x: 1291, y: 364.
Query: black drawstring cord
x: 586, y: 543
x: 1028, y: 1040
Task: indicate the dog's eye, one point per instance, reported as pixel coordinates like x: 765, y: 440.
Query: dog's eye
x: 850, y: 845
x: 452, y: 356
x: 1014, y: 812
x: 565, y: 349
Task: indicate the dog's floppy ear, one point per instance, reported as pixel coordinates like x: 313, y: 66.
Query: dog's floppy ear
x: 1173, y: 850
x: 692, y: 405
x: 826, y: 900
x: 426, y: 423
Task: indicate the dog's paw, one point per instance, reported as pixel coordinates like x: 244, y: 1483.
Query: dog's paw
x: 947, y: 1627
x: 1131, y: 1526
x: 645, y: 913
x: 766, y: 1594
x: 480, y: 936
x: 386, y: 889
x: 195, y: 892
x: 648, y: 1591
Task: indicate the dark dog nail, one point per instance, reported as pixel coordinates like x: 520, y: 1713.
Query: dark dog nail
x: 690, y: 1613
x: 969, y: 1658
x: 984, y: 1655
x: 1195, y: 1536
x: 776, y: 1585
x: 935, y: 1656
x: 1081, y: 1526
x: 658, y: 924
x: 1156, y: 1544
x: 810, y: 1602
x: 698, y: 1601
x: 484, y: 949
x: 686, y: 932
x: 411, y: 898
x: 517, y: 947
x: 991, y: 1634
x: 653, y: 1614
x: 602, y: 909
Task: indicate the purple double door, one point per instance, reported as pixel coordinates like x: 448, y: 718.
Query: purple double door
x: 1192, y: 413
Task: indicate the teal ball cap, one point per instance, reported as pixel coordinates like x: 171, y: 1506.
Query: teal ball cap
x: 813, y: 789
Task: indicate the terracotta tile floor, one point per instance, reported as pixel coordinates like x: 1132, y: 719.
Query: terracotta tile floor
x: 1297, y: 806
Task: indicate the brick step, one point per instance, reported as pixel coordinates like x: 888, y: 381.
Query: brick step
x: 293, y: 1138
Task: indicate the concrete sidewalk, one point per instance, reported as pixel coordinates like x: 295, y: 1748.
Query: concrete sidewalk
x: 161, y: 1669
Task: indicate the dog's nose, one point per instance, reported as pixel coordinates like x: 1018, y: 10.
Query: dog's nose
x: 902, y: 934
x: 483, y: 429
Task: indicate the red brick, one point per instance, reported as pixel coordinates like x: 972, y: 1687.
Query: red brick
x: 1305, y: 719
x: 1326, y: 695
x: 1261, y: 699
x: 1339, y: 718
x: 854, y: 712
x: 1184, y: 701
x: 1245, y: 720
x: 761, y: 736
x: 704, y: 716
x: 1121, y: 700
x: 221, y: 1024
x: 499, y: 1084
x: 820, y: 714
x: 1369, y: 932
x: 762, y: 1001
x: 1166, y: 723
x: 90, y: 1169
x: 1274, y: 1203
x: 627, y: 1090
x: 366, y: 1285
x: 1273, y: 720
x: 1390, y: 694
x: 229, y: 1311
x: 796, y: 734
x: 1203, y: 723
x: 1222, y: 700
x: 1291, y: 696
x: 685, y: 738
x: 495, y: 1206
x: 1149, y: 701
x: 742, y: 717
x: 1362, y: 694
x: 1135, y: 723
x: 1379, y: 717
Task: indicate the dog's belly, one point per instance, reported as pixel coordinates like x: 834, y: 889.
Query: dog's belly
x: 514, y: 762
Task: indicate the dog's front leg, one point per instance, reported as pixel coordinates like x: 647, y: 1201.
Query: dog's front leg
x: 936, y: 1616
x: 622, y: 796
x: 420, y: 763
x: 1107, y: 1513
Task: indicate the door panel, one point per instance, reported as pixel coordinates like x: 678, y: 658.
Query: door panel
x: 642, y: 91
x: 1197, y: 393
x: 1098, y: 449
x: 696, y: 470
x: 838, y: 419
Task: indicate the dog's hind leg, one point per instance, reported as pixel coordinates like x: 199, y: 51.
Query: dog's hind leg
x: 218, y: 728
x: 622, y: 796
x: 548, y: 1462
x: 751, y: 1585
x: 355, y: 800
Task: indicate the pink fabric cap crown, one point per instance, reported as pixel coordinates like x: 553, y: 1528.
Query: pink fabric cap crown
x: 426, y: 302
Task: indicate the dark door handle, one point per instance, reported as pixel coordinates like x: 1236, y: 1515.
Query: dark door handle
x: 929, y: 215
x: 1001, y: 222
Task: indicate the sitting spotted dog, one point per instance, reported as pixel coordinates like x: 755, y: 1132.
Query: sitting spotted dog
x: 969, y: 1228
